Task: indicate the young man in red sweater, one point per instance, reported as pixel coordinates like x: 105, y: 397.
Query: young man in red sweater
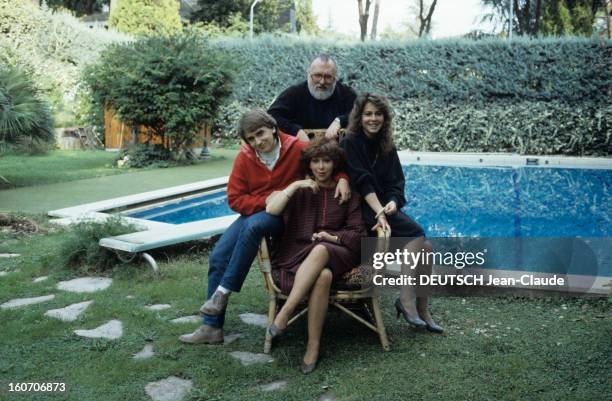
x: 269, y: 162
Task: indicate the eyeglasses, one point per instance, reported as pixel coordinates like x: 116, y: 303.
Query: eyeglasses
x: 326, y: 77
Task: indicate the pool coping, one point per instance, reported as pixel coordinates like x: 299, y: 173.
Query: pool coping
x: 95, y: 210
x: 503, y: 160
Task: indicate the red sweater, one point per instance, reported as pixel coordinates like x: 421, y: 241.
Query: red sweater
x: 251, y: 181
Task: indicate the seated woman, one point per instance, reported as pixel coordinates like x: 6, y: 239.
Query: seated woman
x: 376, y: 172
x: 322, y: 241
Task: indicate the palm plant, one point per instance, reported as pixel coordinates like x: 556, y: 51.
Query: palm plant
x: 25, y: 117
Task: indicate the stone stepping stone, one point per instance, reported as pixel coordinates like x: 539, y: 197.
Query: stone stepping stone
x: 249, y: 358
x: 158, y: 307
x: 168, y: 389
x: 327, y: 397
x: 111, y: 330
x: 19, y: 302
x: 146, y: 353
x: 254, y: 319
x: 230, y: 338
x: 3, y: 273
x: 40, y: 279
x: 9, y: 255
x: 277, y: 385
x: 85, y: 284
x: 187, y: 319
x: 70, y: 313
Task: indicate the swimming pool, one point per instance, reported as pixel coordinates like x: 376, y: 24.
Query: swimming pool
x: 532, y: 219
x: 459, y: 201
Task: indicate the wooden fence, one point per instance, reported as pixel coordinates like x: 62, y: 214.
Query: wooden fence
x: 118, y: 135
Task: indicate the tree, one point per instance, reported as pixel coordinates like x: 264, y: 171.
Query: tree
x: 424, y: 17
x: 525, y: 18
x: 267, y: 17
x: 552, y: 17
x: 79, y: 7
x: 305, y: 17
x: 562, y: 17
x: 146, y: 17
x: 609, y: 17
x: 220, y: 12
x: 364, y: 14
x: 375, y: 20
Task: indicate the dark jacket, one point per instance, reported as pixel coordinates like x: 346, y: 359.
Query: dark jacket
x: 370, y: 171
x: 296, y: 109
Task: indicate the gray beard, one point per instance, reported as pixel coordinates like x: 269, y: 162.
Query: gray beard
x: 321, y: 94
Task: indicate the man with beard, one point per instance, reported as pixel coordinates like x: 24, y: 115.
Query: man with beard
x: 321, y: 102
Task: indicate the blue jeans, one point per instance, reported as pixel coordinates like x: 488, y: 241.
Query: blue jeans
x: 231, y: 259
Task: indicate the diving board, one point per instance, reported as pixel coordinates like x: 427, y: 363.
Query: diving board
x: 139, y: 242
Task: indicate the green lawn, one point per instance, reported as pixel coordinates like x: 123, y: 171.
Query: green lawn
x: 57, y: 166
x: 493, y: 349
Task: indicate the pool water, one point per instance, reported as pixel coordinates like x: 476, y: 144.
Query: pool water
x: 535, y: 219
x: 548, y: 220
x: 471, y: 202
x: 186, y: 210
x: 510, y: 202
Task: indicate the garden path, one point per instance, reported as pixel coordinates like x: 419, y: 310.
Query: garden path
x: 168, y: 389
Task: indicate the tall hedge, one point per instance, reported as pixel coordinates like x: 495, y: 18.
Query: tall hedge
x: 546, y: 96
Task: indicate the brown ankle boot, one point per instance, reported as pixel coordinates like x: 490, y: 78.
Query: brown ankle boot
x: 216, y: 304
x: 205, y: 334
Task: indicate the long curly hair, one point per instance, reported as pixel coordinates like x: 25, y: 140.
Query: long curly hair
x: 385, y: 135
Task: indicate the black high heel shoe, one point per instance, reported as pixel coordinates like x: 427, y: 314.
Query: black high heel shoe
x: 308, y: 368
x: 434, y: 327
x: 274, y: 331
x: 412, y: 320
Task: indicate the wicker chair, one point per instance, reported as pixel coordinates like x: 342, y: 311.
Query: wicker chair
x: 318, y: 133
x: 355, y: 289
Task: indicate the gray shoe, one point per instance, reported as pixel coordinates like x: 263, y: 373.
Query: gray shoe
x: 205, y: 334
x: 216, y: 304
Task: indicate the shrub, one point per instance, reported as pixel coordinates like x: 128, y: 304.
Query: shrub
x: 226, y: 122
x: 172, y: 85
x: 146, y: 17
x: 143, y: 155
x: 80, y: 249
x: 25, y: 117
